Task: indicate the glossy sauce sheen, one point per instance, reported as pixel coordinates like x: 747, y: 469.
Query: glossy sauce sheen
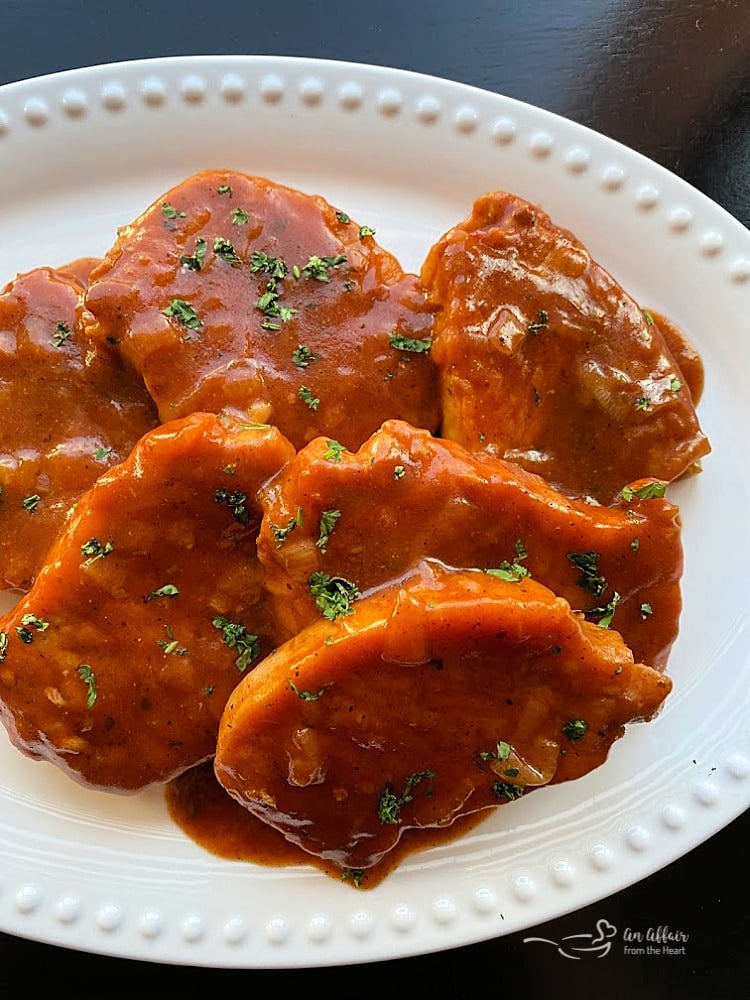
x: 328, y: 367
x: 116, y: 666
x: 546, y: 361
x: 406, y: 495
x: 68, y: 411
x: 409, y: 696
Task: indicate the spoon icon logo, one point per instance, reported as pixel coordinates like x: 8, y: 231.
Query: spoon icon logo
x: 577, y: 946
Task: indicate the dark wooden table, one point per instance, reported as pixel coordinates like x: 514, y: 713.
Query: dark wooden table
x: 670, y: 78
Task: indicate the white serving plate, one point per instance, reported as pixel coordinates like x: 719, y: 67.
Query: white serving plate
x: 82, y: 152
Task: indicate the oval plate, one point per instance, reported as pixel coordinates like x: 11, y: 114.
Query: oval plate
x: 82, y: 152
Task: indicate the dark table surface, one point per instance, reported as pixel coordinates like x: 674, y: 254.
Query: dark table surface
x: 670, y: 78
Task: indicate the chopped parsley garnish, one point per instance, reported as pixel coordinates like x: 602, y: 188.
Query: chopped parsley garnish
x: 169, y: 212
x: 102, y: 453
x: 389, y: 806
x: 87, y: 676
x: 635, y: 544
x: 303, y: 356
x: 30, y: 503
x: 231, y: 470
x: 317, y: 268
x: 410, y: 344
x: 3, y: 645
x: 305, y: 695
x: 333, y: 595
x: 575, y: 729
x: 507, y: 790
x: 168, y: 590
x: 399, y: 472
x: 511, y: 772
x: 61, y: 334
x: 675, y: 384
x: 646, y: 610
x: 356, y: 875
x: 649, y: 491
x: 93, y: 550
x: 308, y: 398
x: 37, y: 623
x: 501, y: 752
x: 224, y: 249
x: 235, y: 501
x: 171, y: 645
x: 239, y: 217
x: 280, y: 533
x: 607, y: 613
x: 588, y: 563
x: 642, y: 403
x: 24, y: 634
x: 268, y: 304
x: 648, y: 317
x: 334, y: 452
x: 540, y: 323
x: 184, y: 313
x: 343, y: 217
x: 512, y: 572
x: 224, y: 189
x: 365, y: 231
x: 194, y: 262
x: 237, y: 637
x: 328, y: 521
x: 275, y: 267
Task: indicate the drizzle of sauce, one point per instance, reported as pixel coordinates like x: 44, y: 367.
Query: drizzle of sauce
x: 216, y: 822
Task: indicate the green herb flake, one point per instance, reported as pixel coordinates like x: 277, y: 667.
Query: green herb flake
x: 170, y: 644
x: 93, y: 550
x: 399, y: 472
x: 168, y: 590
x: 236, y: 501
x: 30, y: 503
x: 61, y: 334
x: 575, y: 729
x: 507, y: 790
x: 275, y: 267
x: 87, y: 676
x: 649, y: 491
x: 102, y: 453
x: 308, y: 398
x: 302, y: 356
x: 194, y: 261
x: 501, y: 752
x: 410, y: 344
x: 305, y: 695
x: 675, y: 384
x: 280, y: 533
x: 646, y: 610
x: 365, y: 231
x: 31, y: 621
x: 224, y: 189
x: 648, y: 317
x: 328, y: 521
x: 230, y: 470
x: 540, y: 323
x: 225, y: 250
x: 642, y: 403
x: 511, y: 772
x: 317, y: 268
x: 24, y: 634
x: 635, y: 544
x: 237, y: 637
x: 3, y: 645
x: 588, y: 563
x: 343, y: 218
x: 334, y: 451
x: 512, y: 572
x: 333, y: 595
x: 169, y: 212
x: 607, y: 613
x: 389, y: 806
x: 184, y: 313
x: 239, y: 217
x: 354, y: 875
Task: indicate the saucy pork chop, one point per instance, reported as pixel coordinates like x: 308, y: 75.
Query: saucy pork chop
x: 546, y: 361
x: 234, y: 291
x: 117, y: 664
x: 336, y: 522
x: 446, y: 693
x: 68, y: 412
